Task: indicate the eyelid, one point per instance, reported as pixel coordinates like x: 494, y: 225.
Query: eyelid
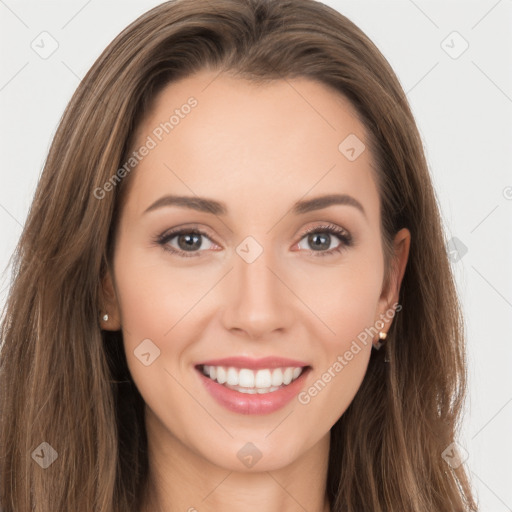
x: 328, y: 227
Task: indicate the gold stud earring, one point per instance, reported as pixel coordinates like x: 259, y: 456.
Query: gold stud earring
x: 382, y: 337
x: 380, y: 343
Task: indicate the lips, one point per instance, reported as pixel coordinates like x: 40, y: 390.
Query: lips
x: 253, y: 386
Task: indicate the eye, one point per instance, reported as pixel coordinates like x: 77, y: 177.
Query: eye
x: 189, y: 241
x: 320, y: 238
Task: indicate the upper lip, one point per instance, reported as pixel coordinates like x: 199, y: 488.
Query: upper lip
x: 254, y: 364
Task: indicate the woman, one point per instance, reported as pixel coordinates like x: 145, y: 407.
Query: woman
x: 232, y: 290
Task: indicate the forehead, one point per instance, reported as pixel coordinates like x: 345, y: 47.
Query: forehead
x: 250, y: 143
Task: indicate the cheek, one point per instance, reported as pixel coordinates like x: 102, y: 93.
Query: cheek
x: 152, y: 295
x: 154, y: 301
x: 357, y: 302
x: 343, y: 297
x: 160, y: 302
x: 347, y: 307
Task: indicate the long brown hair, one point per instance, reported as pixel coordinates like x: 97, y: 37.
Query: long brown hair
x: 65, y: 382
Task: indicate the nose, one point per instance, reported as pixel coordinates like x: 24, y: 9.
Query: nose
x: 258, y: 301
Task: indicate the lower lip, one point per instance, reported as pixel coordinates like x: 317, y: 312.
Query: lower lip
x: 244, y: 403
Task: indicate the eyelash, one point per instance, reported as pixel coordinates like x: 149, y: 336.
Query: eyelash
x: 343, y: 235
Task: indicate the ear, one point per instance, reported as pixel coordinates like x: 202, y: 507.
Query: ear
x: 109, y: 304
x: 391, y: 292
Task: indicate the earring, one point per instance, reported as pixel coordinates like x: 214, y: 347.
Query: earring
x: 380, y: 343
x: 105, y: 317
x: 382, y: 337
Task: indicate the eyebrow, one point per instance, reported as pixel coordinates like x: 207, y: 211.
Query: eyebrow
x: 203, y: 204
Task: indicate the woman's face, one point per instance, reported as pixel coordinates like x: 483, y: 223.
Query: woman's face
x: 227, y: 277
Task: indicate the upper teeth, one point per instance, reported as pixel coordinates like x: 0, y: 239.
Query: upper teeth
x: 252, y: 379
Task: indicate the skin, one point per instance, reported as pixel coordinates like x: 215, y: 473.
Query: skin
x: 257, y: 148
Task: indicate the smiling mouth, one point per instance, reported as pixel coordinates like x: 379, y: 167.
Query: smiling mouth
x: 245, y: 380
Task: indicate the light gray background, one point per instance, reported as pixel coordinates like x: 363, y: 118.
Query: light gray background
x: 463, y: 108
